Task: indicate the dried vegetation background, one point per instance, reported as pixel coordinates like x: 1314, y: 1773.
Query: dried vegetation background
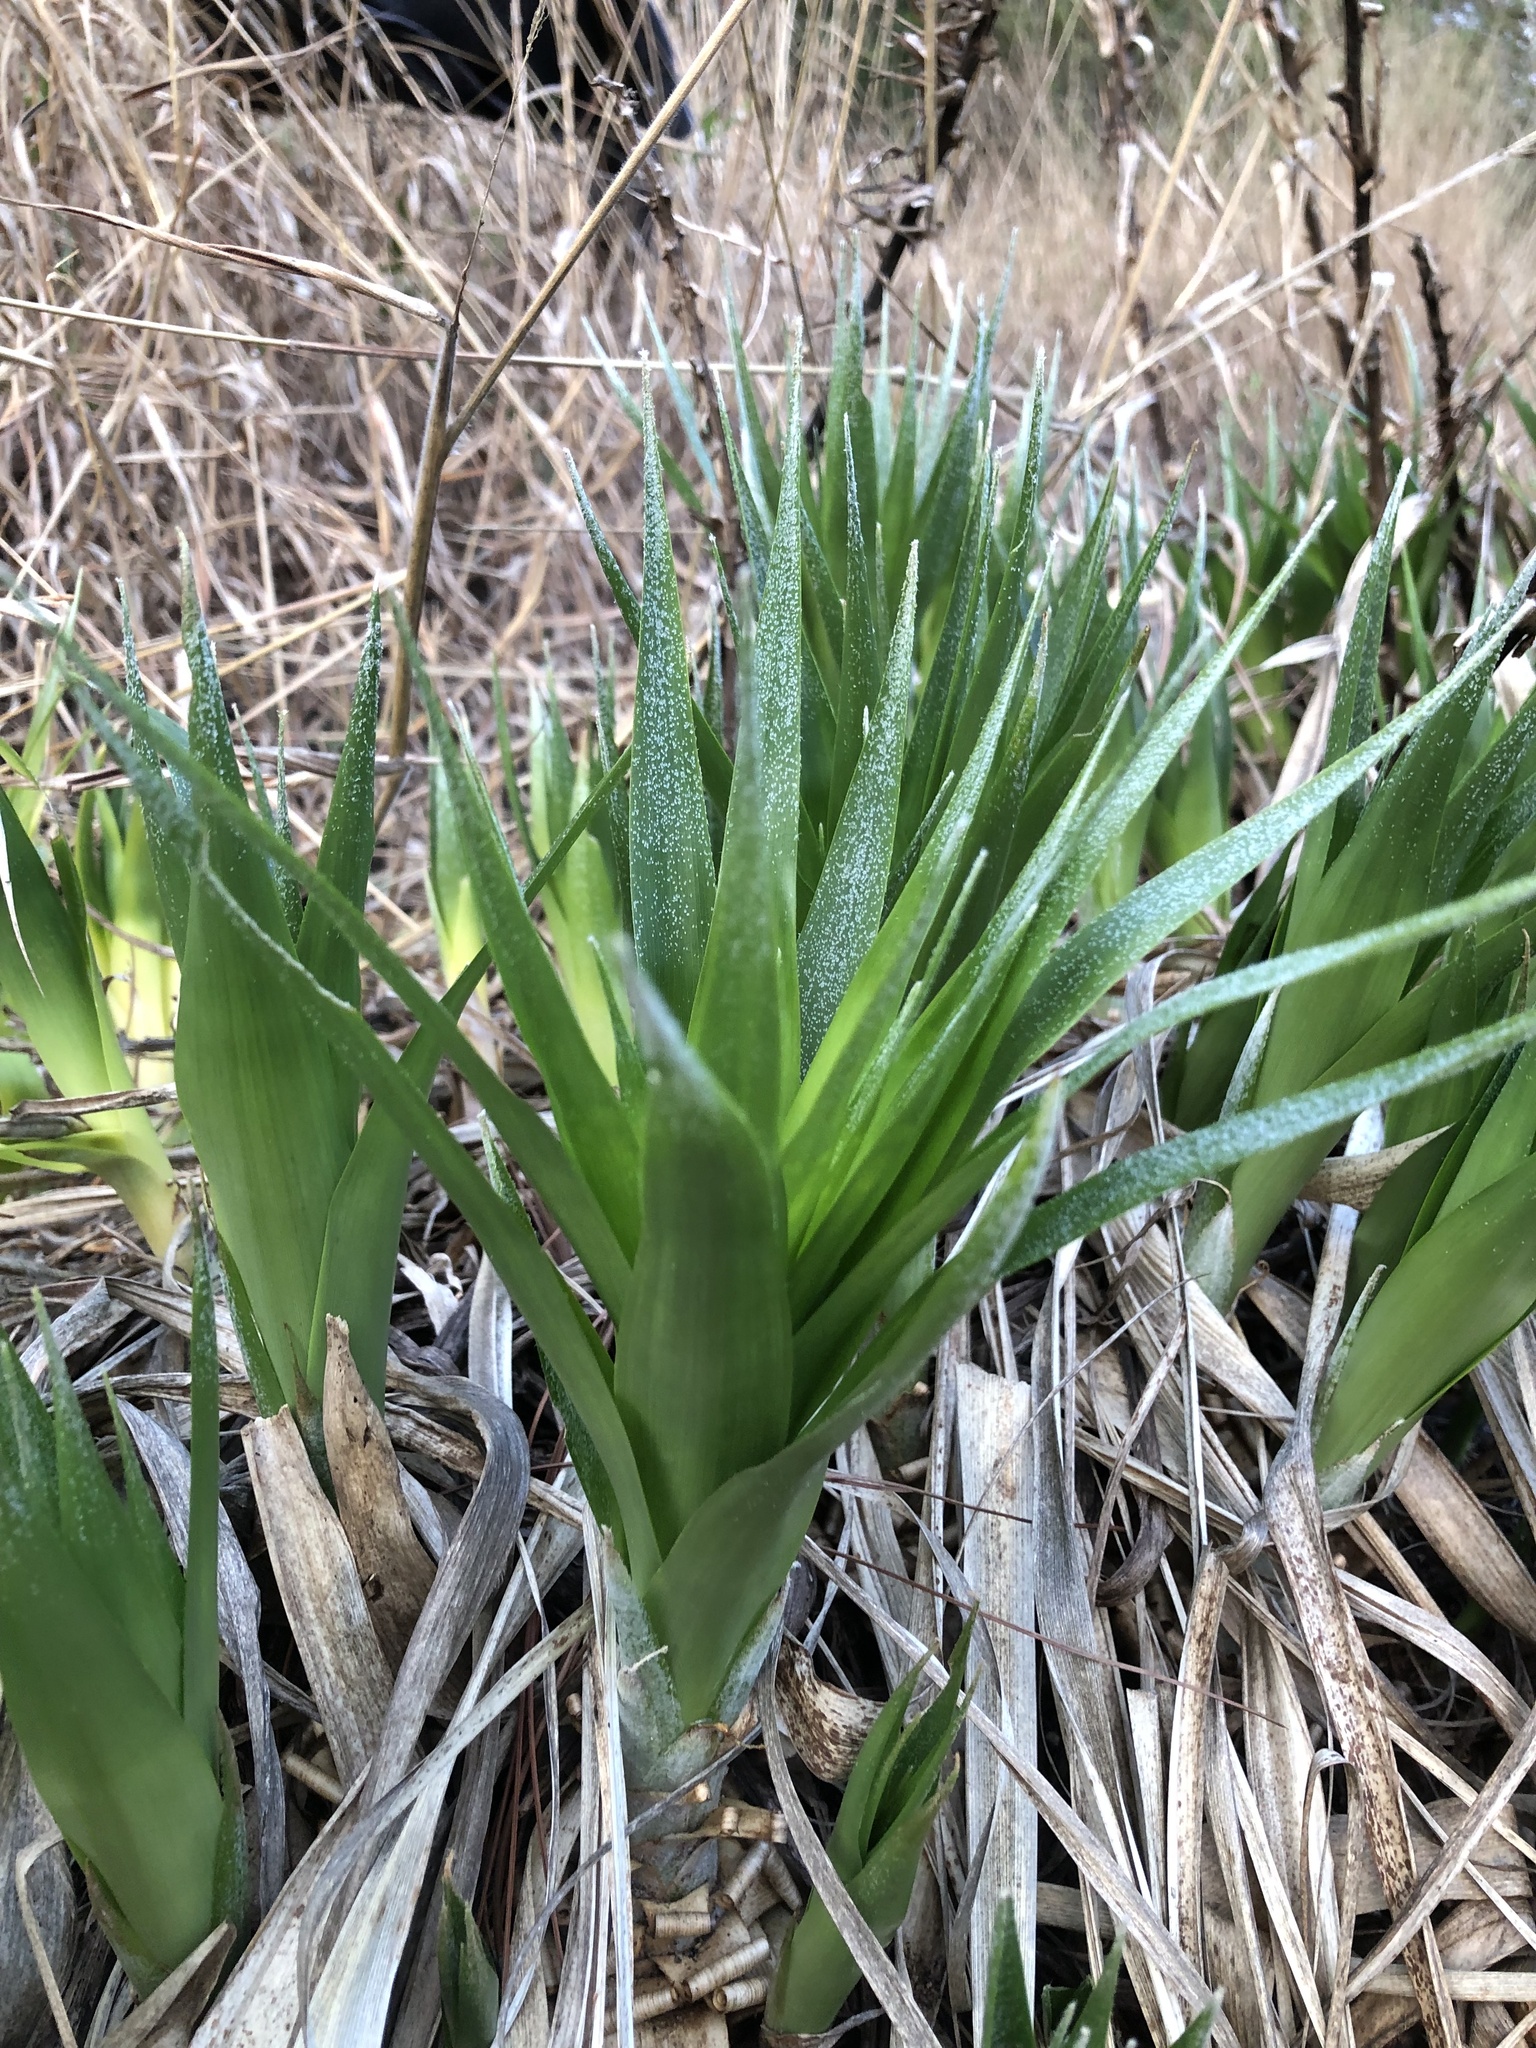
x: 206, y: 324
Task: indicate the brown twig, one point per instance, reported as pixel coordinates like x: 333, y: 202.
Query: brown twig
x: 444, y: 430
x: 776, y: 198
x: 916, y: 215
x: 1362, y: 145
x: 672, y: 249
x: 1116, y: 25
x: 249, y: 259
x: 434, y: 453
x: 622, y: 179
x: 1291, y: 65
x: 1432, y: 291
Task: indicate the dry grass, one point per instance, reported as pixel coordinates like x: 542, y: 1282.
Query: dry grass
x: 291, y: 464
x: 275, y: 418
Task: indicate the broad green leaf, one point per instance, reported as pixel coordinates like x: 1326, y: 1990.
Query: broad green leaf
x: 170, y: 871
x: 121, y: 1774
x: 1201, y: 1154
x: 941, y: 511
x: 1243, y: 987
x: 860, y: 673
x: 682, y: 399
x: 672, y: 870
x: 450, y: 885
x: 1094, y: 958
x: 1382, y: 872
x: 755, y: 434
x: 677, y: 476
x: 346, y: 845
x: 843, y: 387
x: 734, y: 1553
x: 1503, y: 1142
x: 1009, y: 2022
x: 623, y: 592
x: 468, y: 1985
x: 821, y: 1124
x: 532, y: 1143
x: 49, y: 977
x: 702, y: 1373
x: 817, y: 1971
x: 579, y: 903
x: 95, y: 1526
x: 259, y: 1092
x: 750, y: 509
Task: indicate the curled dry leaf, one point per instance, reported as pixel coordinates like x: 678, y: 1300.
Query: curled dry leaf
x: 826, y: 1725
x: 395, y: 1571
x: 322, y: 1593
x: 1357, y: 1179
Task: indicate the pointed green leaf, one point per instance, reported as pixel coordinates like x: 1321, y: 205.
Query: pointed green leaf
x: 709, y: 1286
x: 672, y: 870
x: 745, y: 1024
x: 846, y: 910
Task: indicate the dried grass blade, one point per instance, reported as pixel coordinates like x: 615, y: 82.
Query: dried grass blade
x: 1248, y: 1983
x: 373, y: 1876
x: 1460, y: 1846
x: 321, y: 1592
x: 1442, y: 1640
x: 613, y: 1802
x: 474, y: 1564
x: 580, y: 2001
x: 1340, y: 1664
x: 992, y: 1419
x: 882, y: 1567
x: 1186, y: 1763
x: 395, y: 1570
x: 1285, y: 1930
x: 1468, y: 1539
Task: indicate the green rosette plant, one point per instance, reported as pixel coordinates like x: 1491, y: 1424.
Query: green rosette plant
x: 307, y: 1204
x: 50, y: 979
x: 819, y: 1031
x: 128, y: 932
x: 902, y: 1775
x: 1073, y: 2019
x: 109, y: 1656
x: 581, y: 901
x: 1454, y: 811
x: 819, y: 1026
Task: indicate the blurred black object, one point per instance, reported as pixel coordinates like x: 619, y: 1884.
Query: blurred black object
x: 462, y: 54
